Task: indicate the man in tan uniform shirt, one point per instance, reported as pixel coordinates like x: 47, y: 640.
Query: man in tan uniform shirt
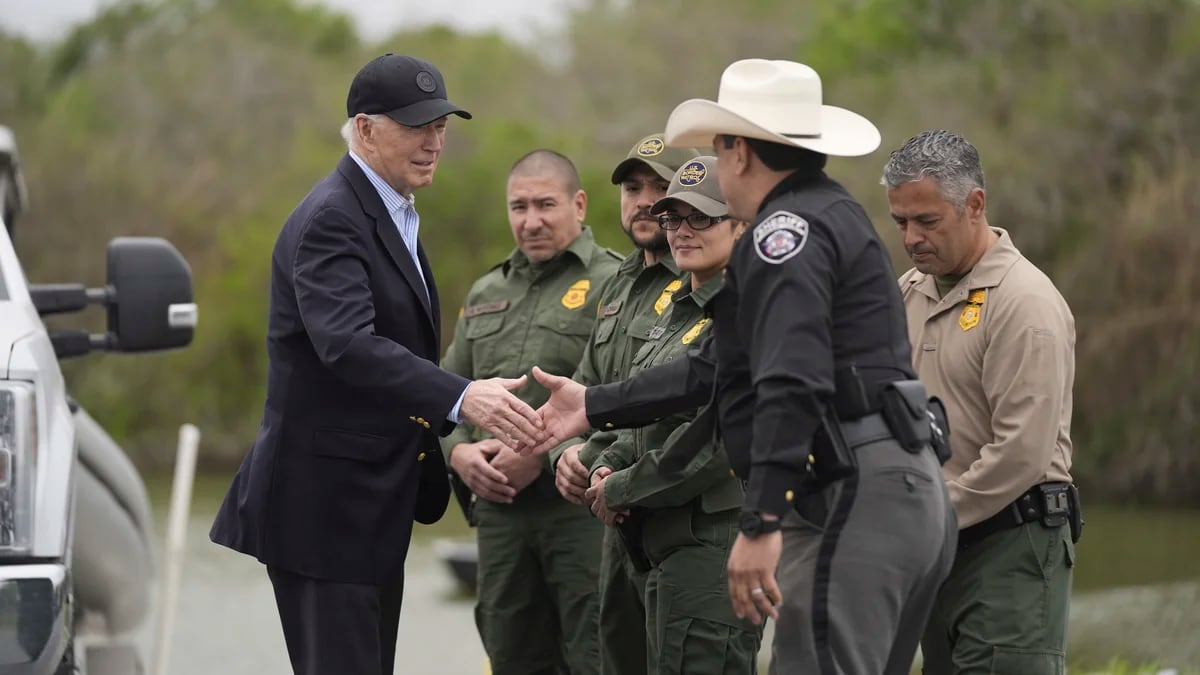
x: 993, y: 338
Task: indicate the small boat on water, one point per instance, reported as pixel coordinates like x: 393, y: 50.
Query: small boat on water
x: 462, y: 557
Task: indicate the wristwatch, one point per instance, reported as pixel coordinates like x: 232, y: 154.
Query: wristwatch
x: 752, y: 524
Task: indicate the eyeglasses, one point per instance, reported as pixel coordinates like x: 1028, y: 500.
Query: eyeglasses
x: 697, y: 221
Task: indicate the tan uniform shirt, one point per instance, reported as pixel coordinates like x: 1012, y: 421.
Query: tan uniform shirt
x: 999, y: 350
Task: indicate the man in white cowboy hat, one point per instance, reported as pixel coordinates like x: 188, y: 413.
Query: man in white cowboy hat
x: 809, y: 383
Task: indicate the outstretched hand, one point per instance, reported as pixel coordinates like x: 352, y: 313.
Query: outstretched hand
x: 561, y: 417
x: 491, y: 406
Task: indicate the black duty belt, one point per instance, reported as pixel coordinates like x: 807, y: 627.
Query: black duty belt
x: 1052, y: 504
x: 865, y: 430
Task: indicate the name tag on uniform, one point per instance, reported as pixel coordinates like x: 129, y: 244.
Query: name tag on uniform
x: 485, y: 308
x: 656, y: 332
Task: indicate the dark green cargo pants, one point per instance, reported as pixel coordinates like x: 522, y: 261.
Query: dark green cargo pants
x: 690, y: 623
x: 1004, y: 608
x: 537, y: 608
x: 622, y: 610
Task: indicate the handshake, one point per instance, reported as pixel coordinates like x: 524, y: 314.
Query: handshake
x: 490, y: 405
x: 498, y: 468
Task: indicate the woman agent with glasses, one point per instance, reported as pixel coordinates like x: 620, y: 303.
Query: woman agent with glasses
x: 680, y: 531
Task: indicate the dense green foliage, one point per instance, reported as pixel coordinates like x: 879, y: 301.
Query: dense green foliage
x: 205, y: 122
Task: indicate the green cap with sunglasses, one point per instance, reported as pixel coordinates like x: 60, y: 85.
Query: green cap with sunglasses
x: 695, y: 184
x: 653, y: 153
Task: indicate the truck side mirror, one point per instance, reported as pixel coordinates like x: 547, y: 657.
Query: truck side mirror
x: 148, y: 297
x: 12, y: 185
x: 151, y: 305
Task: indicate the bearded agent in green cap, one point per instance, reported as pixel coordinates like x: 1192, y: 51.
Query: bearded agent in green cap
x: 686, y: 524
x: 537, y: 607
x: 629, y: 305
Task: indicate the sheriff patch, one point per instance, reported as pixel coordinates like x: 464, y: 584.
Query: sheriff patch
x: 780, y: 236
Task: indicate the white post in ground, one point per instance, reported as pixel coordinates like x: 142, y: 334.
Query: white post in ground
x: 181, y: 497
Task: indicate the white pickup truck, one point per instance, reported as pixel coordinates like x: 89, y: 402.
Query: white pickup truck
x: 76, y: 547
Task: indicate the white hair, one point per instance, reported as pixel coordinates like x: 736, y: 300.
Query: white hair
x: 350, y: 130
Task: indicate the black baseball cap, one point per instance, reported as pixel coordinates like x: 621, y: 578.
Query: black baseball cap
x: 404, y: 88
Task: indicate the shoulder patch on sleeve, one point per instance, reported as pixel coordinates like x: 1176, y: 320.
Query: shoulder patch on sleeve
x: 780, y: 236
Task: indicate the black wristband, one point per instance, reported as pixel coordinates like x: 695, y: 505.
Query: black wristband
x: 752, y: 524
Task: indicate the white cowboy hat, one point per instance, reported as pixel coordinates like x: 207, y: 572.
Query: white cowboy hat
x: 777, y: 101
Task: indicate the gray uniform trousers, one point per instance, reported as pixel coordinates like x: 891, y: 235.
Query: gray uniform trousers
x: 861, y: 565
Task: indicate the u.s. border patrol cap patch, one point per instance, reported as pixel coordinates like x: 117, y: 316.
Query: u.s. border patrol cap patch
x: 692, y: 174
x: 780, y: 236
x: 651, y: 147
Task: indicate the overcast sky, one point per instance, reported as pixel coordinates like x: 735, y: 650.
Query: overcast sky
x: 50, y: 19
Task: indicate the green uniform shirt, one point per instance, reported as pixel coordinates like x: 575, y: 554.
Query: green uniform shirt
x: 634, y: 455
x: 521, y: 314
x: 630, y: 304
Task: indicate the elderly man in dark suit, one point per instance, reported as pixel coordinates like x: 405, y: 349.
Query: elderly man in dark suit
x: 347, y: 455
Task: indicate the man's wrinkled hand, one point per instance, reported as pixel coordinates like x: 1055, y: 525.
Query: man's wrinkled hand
x: 490, y: 405
x: 520, y: 470
x: 471, y: 461
x: 570, y: 475
x: 561, y: 417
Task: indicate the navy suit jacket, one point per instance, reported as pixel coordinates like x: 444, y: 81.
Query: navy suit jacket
x: 354, y: 395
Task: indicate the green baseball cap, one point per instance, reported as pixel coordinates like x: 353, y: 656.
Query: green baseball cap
x: 653, y: 152
x: 695, y: 184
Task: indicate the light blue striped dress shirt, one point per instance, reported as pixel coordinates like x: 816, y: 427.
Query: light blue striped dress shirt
x: 404, y: 215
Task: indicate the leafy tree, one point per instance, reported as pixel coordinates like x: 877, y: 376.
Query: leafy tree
x: 205, y: 121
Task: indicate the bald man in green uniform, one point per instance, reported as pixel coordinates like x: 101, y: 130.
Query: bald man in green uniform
x: 537, y: 607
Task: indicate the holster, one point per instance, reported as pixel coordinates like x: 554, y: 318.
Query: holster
x: 939, y: 424
x: 915, y: 419
x: 832, y: 458
x: 1076, y: 515
x: 630, y: 530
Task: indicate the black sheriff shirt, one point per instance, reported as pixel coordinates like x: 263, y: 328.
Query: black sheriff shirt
x: 809, y: 292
